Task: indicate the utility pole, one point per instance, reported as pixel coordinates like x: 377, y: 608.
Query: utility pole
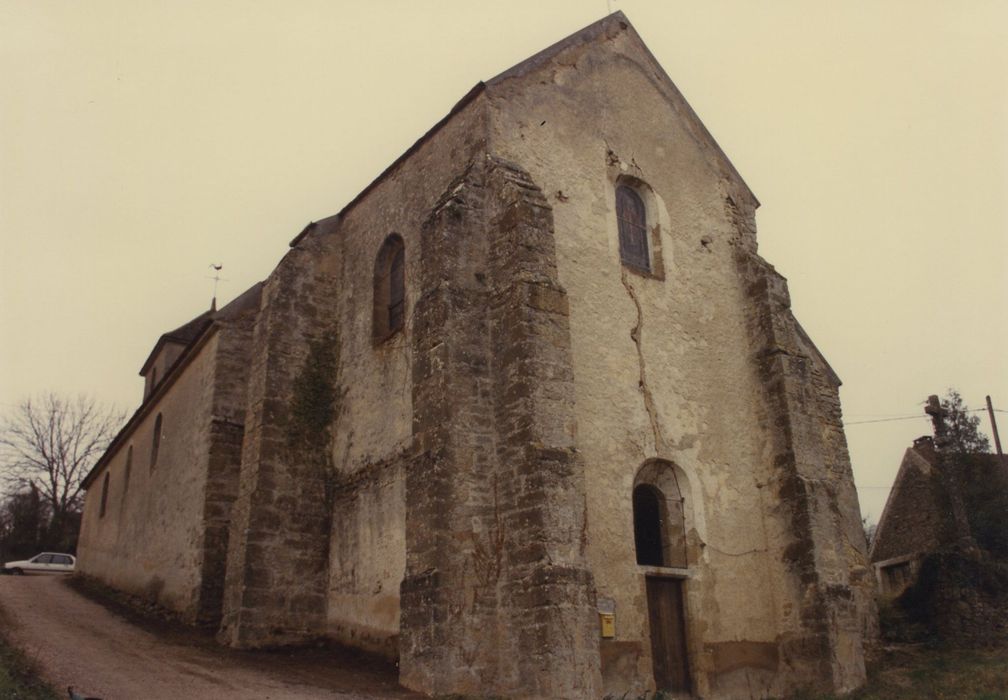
x: 990, y: 412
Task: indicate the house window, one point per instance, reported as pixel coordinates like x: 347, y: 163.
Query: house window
x: 156, y: 442
x: 389, y: 288
x: 104, y: 496
x: 631, y: 215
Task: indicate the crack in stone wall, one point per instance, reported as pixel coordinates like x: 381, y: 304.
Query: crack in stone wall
x: 635, y: 335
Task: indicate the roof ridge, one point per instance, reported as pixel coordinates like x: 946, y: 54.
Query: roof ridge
x: 583, y: 35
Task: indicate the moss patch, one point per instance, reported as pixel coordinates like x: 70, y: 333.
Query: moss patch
x: 316, y: 400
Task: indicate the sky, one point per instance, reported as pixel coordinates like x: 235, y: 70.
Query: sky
x: 142, y: 141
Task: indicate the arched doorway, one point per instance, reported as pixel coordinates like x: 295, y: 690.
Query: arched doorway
x: 660, y: 543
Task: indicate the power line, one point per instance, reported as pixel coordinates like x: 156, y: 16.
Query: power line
x: 913, y: 417
x: 885, y: 420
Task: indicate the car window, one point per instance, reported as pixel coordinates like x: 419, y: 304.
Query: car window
x: 60, y: 559
x: 43, y: 559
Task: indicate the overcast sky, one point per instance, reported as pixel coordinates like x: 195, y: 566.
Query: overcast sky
x: 142, y: 141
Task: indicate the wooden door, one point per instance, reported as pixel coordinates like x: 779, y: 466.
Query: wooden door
x: 668, y: 633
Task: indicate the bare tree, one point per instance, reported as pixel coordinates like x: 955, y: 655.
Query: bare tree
x: 50, y: 442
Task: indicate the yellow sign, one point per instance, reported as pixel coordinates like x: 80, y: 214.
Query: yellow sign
x: 608, y: 622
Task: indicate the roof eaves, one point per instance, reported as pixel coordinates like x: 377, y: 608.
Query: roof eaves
x: 880, y: 527
x: 183, y: 335
x: 170, y: 378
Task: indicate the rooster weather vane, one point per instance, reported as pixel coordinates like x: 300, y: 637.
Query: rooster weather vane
x: 217, y: 267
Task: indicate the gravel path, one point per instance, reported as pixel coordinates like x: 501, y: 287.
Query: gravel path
x: 79, y: 642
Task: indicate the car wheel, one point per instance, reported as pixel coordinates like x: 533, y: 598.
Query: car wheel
x: 17, y: 572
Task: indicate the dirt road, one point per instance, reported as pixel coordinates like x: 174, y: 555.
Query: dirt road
x: 81, y: 643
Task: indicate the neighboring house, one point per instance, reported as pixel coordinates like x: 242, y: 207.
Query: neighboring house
x: 918, y: 518
x: 929, y: 510
x: 530, y: 415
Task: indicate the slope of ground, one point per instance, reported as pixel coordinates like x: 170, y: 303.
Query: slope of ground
x: 75, y: 641
x: 915, y: 672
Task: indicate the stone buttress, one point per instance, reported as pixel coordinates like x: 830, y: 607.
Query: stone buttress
x: 827, y: 606
x: 497, y: 598
x: 277, y: 569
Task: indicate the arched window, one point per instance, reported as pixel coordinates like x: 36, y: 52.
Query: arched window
x: 659, y: 517
x: 156, y: 442
x: 633, y: 231
x: 104, y: 496
x: 648, y: 525
x: 389, y: 288
x: 660, y: 540
x: 129, y: 469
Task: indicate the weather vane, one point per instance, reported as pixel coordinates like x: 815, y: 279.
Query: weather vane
x: 216, y: 278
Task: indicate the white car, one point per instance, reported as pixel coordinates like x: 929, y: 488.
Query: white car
x: 45, y: 563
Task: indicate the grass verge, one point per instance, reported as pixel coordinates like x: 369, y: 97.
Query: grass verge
x: 19, y: 676
x: 913, y: 672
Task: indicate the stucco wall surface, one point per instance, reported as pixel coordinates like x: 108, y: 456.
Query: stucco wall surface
x: 663, y: 362
x: 374, y: 431
x: 325, y: 285
x: 161, y: 364
x: 367, y: 560
x: 377, y: 417
x: 150, y: 541
x: 469, y: 500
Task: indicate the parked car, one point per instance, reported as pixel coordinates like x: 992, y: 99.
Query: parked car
x: 45, y: 563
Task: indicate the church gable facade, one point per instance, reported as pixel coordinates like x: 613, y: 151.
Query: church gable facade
x: 530, y: 415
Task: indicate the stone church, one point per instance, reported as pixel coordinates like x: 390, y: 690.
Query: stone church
x: 529, y: 415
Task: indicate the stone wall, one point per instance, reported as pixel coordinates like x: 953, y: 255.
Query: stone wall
x: 151, y: 541
x: 373, y: 436
x: 660, y: 362
x: 277, y: 562
x: 917, y: 518
x: 367, y: 558
x: 343, y: 586
x: 468, y: 501
x: 823, y: 552
x: 960, y: 597
x: 668, y: 365
x: 497, y: 598
x: 224, y: 460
